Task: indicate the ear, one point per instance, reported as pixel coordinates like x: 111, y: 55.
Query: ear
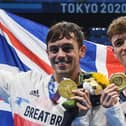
x: 82, y: 51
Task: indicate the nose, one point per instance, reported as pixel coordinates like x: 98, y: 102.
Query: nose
x: 125, y: 41
x: 123, y: 47
x: 124, y: 44
x: 60, y: 53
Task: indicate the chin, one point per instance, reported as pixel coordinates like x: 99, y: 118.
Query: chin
x: 64, y: 73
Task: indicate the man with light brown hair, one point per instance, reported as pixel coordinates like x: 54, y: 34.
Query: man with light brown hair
x: 117, y: 35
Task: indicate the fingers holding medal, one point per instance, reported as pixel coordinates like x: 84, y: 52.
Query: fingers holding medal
x: 74, y: 95
x: 82, y: 98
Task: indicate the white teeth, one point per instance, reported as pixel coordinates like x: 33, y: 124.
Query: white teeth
x: 60, y: 62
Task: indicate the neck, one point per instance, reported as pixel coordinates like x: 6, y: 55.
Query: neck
x: 74, y: 76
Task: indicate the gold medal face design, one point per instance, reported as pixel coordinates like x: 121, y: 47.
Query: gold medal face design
x: 119, y: 79
x: 65, y: 88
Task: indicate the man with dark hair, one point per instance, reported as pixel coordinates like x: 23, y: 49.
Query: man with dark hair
x: 60, y: 99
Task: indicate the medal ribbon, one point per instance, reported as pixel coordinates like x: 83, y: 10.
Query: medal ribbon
x: 53, y: 93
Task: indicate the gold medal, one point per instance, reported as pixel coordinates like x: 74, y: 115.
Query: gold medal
x: 119, y: 79
x: 65, y: 88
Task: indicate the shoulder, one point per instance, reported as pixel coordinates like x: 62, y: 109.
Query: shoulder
x: 115, y: 115
x: 33, y: 75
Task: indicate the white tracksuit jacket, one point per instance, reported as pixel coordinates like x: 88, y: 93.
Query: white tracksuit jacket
x: 27, y: 93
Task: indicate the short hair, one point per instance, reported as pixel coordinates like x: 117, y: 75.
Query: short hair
x: 64, y: 29
x: 117, y: 26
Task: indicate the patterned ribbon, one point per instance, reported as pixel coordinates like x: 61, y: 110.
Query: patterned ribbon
x: 53, y: 93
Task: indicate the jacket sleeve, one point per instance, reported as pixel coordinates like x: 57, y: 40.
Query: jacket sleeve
x: 82, y: 120
x: 115, y: 116
x: 5, y: 79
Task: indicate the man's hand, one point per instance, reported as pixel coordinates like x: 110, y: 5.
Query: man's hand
x: 109, y: 96
x: 83, y: 99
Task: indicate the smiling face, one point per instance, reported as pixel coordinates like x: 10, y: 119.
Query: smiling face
x: 119, y: 47
x: 65, y: 57
x: 65, y: 48
x: 117, y: 35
